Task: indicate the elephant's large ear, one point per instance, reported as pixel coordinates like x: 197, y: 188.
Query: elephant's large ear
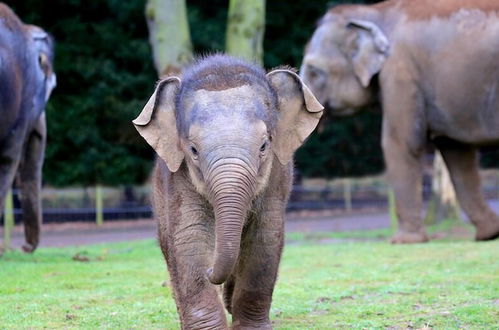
x: 157, y: 125
x: 371, y: 50
x: 44, y: 47
x: 50, y: 76
x: 299, y: 113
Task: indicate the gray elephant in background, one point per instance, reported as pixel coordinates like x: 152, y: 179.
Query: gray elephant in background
x: 26, y: 81
x: 225, y: 136
x: 435, y: 65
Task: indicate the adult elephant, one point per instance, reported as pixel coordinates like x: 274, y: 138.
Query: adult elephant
x: 435, y: 66
x: 26, y: 80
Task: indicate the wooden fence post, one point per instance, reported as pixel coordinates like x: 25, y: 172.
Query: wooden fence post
x: 392, y: 209
x: 347, y: 194
x: 8, y: 219
x: 99, y: 214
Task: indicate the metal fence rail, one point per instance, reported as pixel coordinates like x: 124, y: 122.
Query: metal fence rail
x: 133, y: 203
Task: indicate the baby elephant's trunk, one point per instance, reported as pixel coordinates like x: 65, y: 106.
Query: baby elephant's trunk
x: 231, y: 192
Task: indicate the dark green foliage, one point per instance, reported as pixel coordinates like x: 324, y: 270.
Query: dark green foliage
x: 105, y: 75
x: 344, y: 146
x: 489, y: 157
x: 207, y: 22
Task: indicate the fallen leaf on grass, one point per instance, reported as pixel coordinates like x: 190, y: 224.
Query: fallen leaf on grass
x: 323, y: 299
x: 70, y: 317
x: 79, y: 257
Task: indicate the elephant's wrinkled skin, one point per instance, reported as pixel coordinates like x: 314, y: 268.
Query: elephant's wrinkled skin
x: 225, y: 136
x: 435, y: 65
x: 26, y: 80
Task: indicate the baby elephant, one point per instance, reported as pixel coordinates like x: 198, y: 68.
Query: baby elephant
x: 225, y: 136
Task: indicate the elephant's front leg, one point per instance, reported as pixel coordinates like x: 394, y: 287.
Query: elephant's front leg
x: 404, y: 142
x: 30, y: 177
x: 188, y: 245
x: 462, y: 162
x: 404, y: 170
x: 256, y: 271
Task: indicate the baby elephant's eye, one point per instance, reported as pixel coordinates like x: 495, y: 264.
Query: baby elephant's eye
x: 194, y: 152
x: 264, y: 146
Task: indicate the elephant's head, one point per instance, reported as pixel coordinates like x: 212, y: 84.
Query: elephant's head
x: 227, y: 121
x: 42, y: 50
x: 340, y: 61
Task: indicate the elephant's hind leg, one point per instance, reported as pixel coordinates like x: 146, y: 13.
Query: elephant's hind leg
x: 10, y: 156
x: 462, y: 162
x: 30, y: 178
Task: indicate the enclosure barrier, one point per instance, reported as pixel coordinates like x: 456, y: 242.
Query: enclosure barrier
x: 100, y: 204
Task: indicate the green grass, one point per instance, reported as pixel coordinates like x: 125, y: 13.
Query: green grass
x: 371, y: 284
x: 446, y: 230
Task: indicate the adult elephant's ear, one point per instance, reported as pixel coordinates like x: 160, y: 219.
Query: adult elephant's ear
x: 299, y: 113
x: 370, y: 50
x: 157, y: 125
x: 44, y: 48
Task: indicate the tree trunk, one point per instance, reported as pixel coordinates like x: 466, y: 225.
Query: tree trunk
x: 245, y: 29
x: 169, y: 35
x: 443, y: 203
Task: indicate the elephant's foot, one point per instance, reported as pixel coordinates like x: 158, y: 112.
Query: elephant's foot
x: 29, y: 248
x: 260, y: 326
x: 405, y: 237
x: 487, y: 231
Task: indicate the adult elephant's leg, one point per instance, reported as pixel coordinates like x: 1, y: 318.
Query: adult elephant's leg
x: 403, y: 142
x: 405, y: 176
x: 256, y: 271
x: 10, y: 156
x: 186, y: 235
x: 8, y: 168
x: 462, y: 162
x: 30, y: 178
